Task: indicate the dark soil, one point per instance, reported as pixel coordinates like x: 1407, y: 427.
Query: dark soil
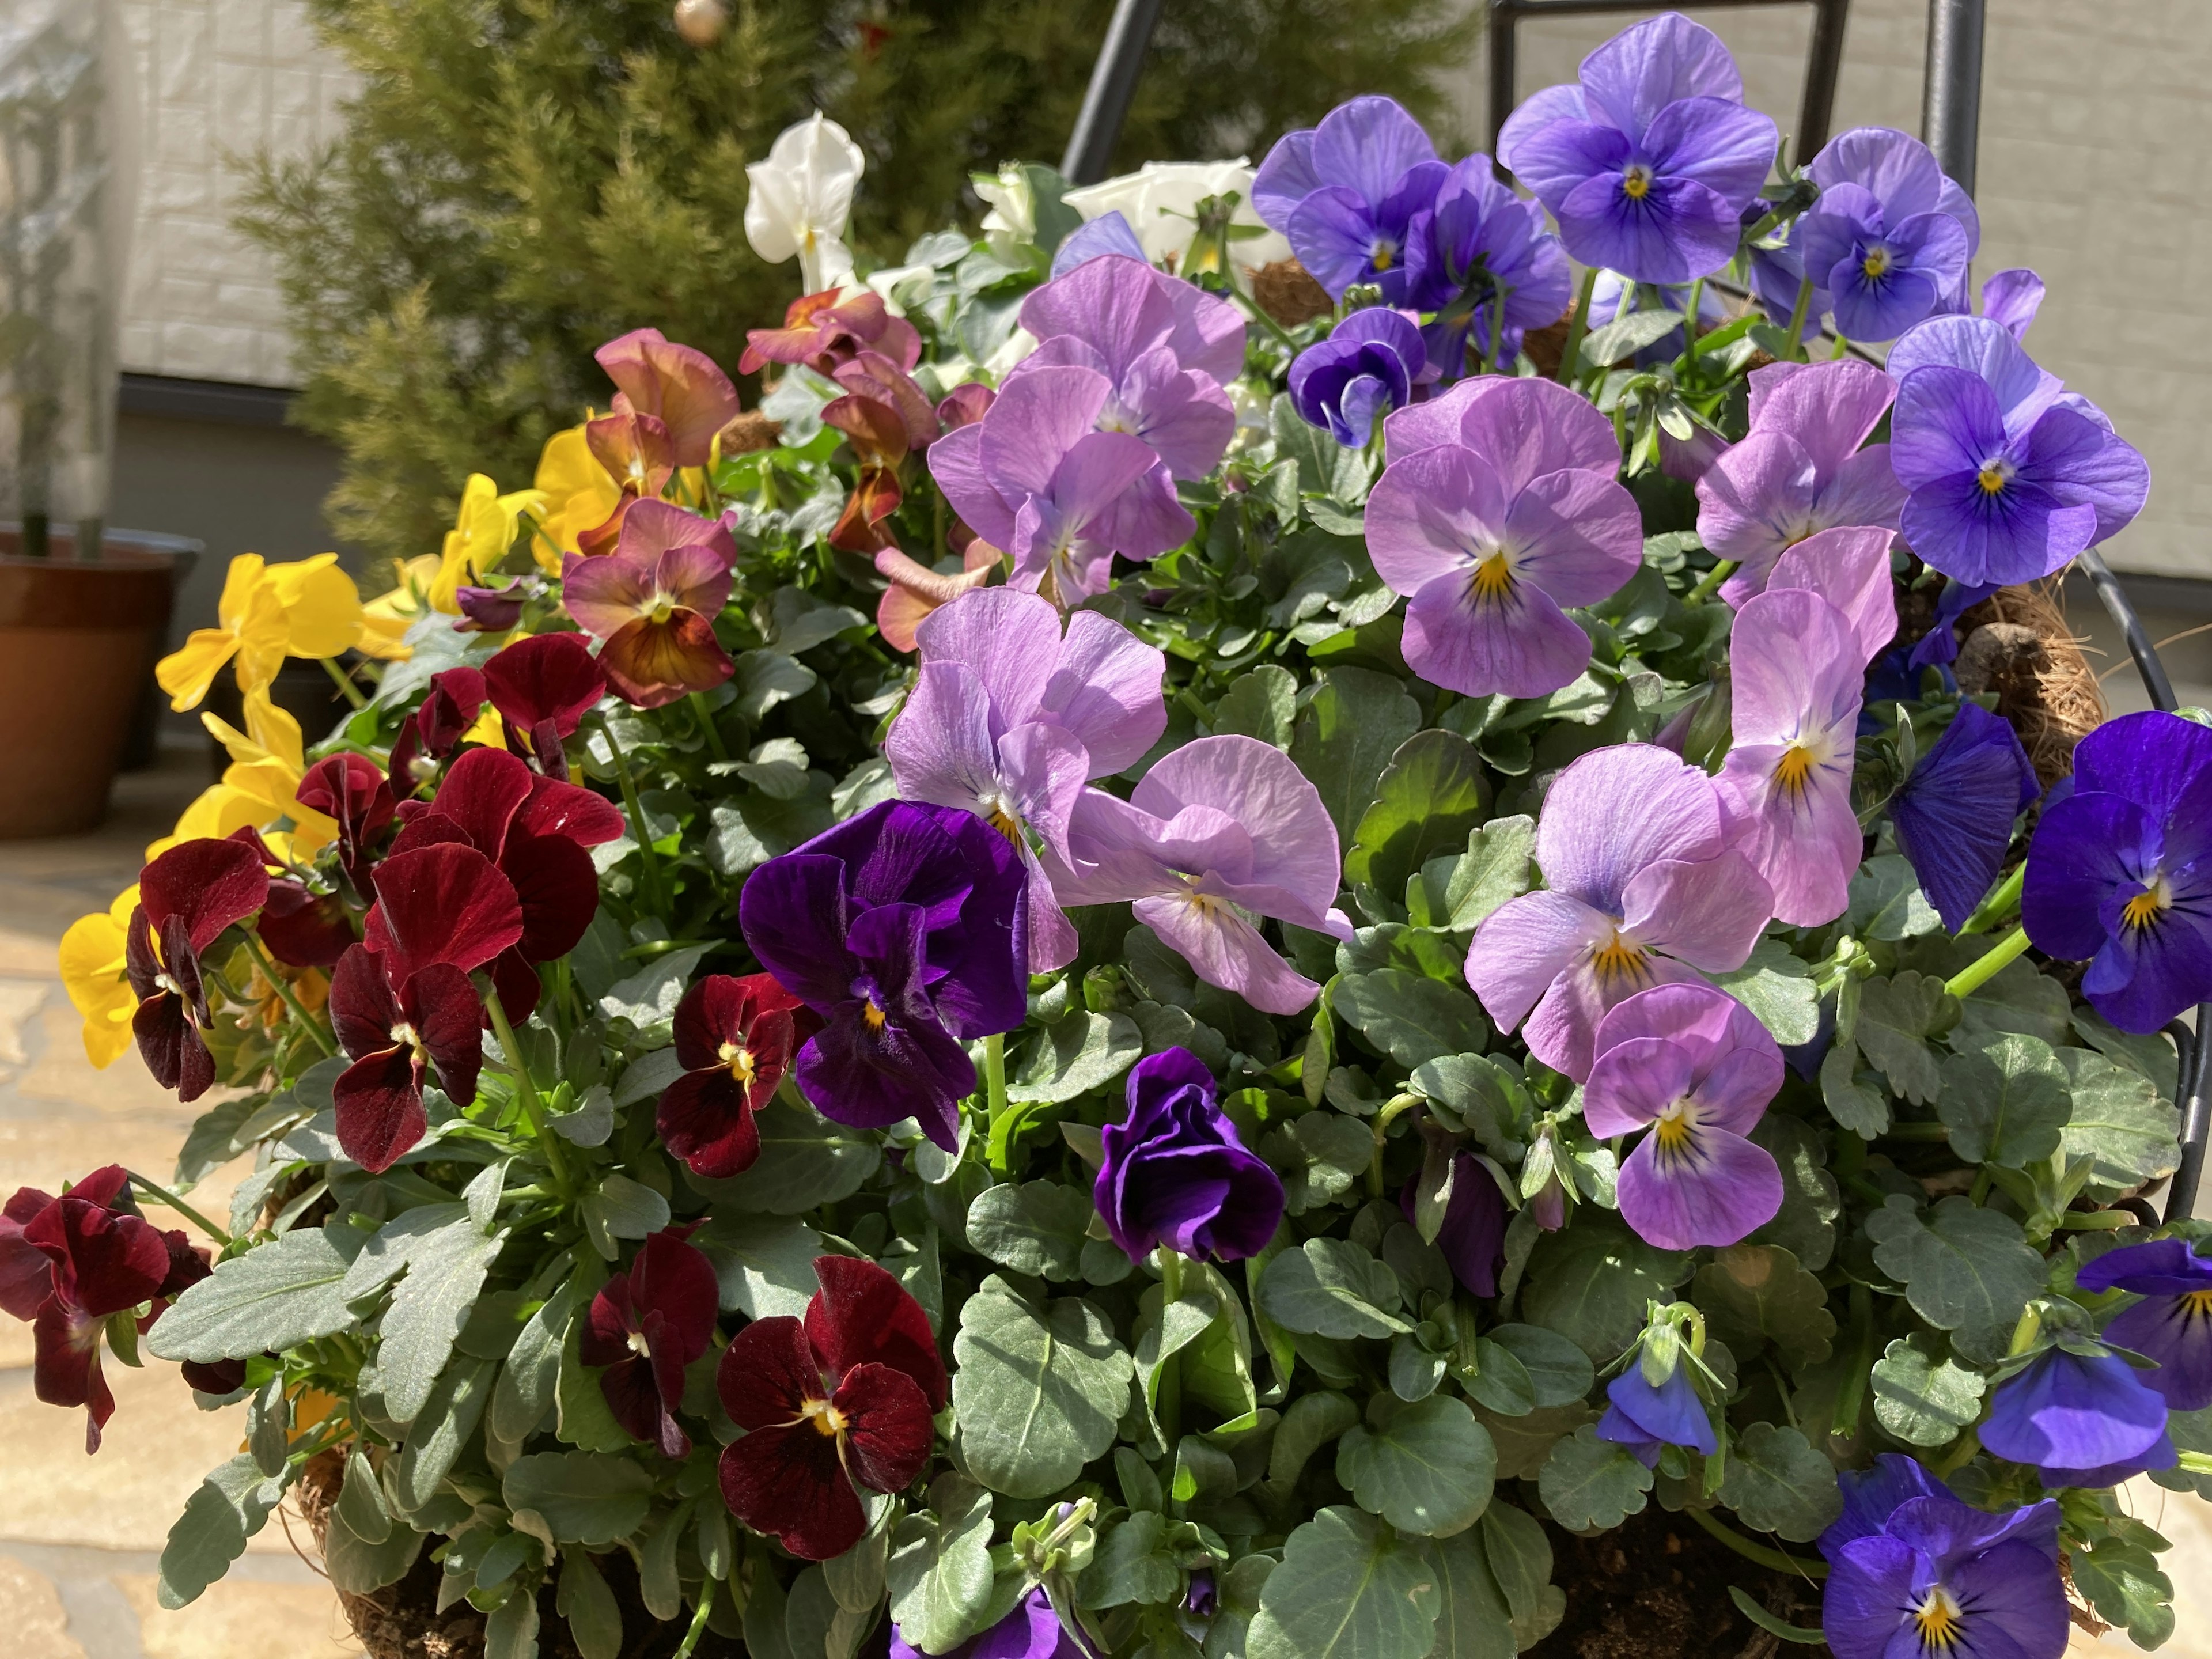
x: 1658, y: 1588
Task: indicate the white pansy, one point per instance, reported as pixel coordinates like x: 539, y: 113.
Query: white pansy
x: 1160, y: 201
x: 802, y: 200
x: 1011, y: 221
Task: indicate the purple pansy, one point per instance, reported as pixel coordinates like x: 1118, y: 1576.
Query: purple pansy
x: 1648, y: 162
x: 1223, y: 829
x: 1176, y: 1172
x: 2119, y: 874
x: 1367, y: 367
x: 1007, y: 720
x: 1110, y: 233
x: 1954, y: 814
x: 1494, y: 533
x: 2009, y: 475
x: 1871, y: 1497
x: 906, y: 929
x: 2079, y: 1419
x: 1354, y: 195
x: 1641, y: 887
x: 1473, y: 1236
x: 1888, y: 242
x: 1937, y: 1579
x: 2012, y: 298
x: 1695, y: 1066
x: 1800, y: 469
x: 1647, y: 1419
x: 1848, y: 567
x: 1494, y: 273
x: 1031, y: 1630
x: 2173, y: 1323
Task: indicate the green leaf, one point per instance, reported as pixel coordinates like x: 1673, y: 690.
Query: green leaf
x: 1311, y: 1423
x: 2152, y: 1054
x: 1591, y: 1282
x: 595, y: 1620
x: 939, y: 1575
x: 1811, y: 1200
x: 2118, y: 1121
x: 1133, y: 1564
x: 1778, y: 988
x: 647, y: 998
x: 1427, y: 1470
x: 511, y: 1632
x: 1326, y: 467
x: 1349, y: 1588
x: 584, y: 1498
x: 1896, y: 1018
x: 2123, y: 1583
x: 806, y: 1161
x: 1075, y: 1056
x: 1485, y: 1096
x: 2005, y: 1102
x: 1427, y: 800
x: 227, y: 1508
x: 361, y: 1566
x: 440, y: 1431
x: 1965, y: 1269
x: 1034, y: 1227
x: 1411, y: 1018
x: 1778, y: 1483
x: 1331, y: 1287
x: 528, y: 1380
x: 1756, y: 1294
x: 1261, y: 704
x: 2021, y: 999
x: 764, y: 1264
x: 1921, y: 1399
x: 1559, y: 1373
x: 1601, y: 347
x: 1885, y: 902
x: 1037, y: 1387
x: 1520, y: 1559
x: 1237, y: 1596
x: 1473, y: 1621
x: 445, y: 1271
x: 1499, y: 864
x: 1346, y: 736
x: 1590, y: 1483
x: 1319, y: 1156
x: 585, y: 1419
x: 276, y: 1296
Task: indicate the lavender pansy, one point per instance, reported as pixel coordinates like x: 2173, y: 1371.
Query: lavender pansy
x: 1494, y: 273
x: 1647, y: 1419
x: 1110, y: 233
x: 1641, y: 887
x: 1888, y: 242
x: 1848, y: 567
x: 1648, y: 162
x: 1223, y: 829
x: 2012, y: 298
x: 1354, y: 196
x: 2009, y: 476
x: 1007, y: 720
x: 2173, y: 1322
x: 1800, y: 470
x: 1493, y: 536
x: 2079, y: 1419
x: 1549, y: 423
x: 1367, y: 367
x: 1695, y: 1066
x: 1954, y: 814
x: 906, y: 929
x: 1176, y: 1172
x: 2119, y: 874
x: 1938, y: 1579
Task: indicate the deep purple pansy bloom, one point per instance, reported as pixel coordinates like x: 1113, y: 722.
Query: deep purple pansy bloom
x: 1354, y: 195
x: 1871, y: 1497
x: 1641, y: 887
x: 2087, y: 1420
x: 1646, y: 1420
x: 1942, y: 1580
x: 1494, y: 533
x: 1031, y: 1630
x: 2119, y: 874
x: 2173, y: 1323
x: 2010, y: 475
x: 1007, y: 720
x: 1495, y: 271
x: 1648, y: 162
x: 1954, y: 814
x: 644, y: 1327
x: 1888, y: 242
x: 1176, y: 1172
x: 1366, y: 368
x: 906, y: 929
x: 1472, y: 1237
x: 1695, y: 1066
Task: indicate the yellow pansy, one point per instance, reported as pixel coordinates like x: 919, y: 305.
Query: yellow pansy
x: 267, y: 612
x: 385, y: 619
x: 482, y: 532
x: 258, y: 788
x: 92, y: 965
x: 579, y: 493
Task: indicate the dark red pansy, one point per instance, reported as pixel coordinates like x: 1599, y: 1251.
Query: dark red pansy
x: 843, y: 1400
x: 348, y: 788
x: 644, y: 1327
x: 188, y: 1265
x: 734, y: 1038
x: 447, y: 902
x: 543, y: 687
x: 395, y: 1038
x: 303, y: 928
x: 186, y: 897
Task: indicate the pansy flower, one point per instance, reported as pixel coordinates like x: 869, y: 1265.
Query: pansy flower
x: 2173, y: 1322
x: 1954, y: 814
x: 356, y: 794
x: 2087, y: 1419
x: 885, y: 417
x: 1496, y: 271
x: 734, y: 1039
x: 1366, y: 368
x: 1472, y: 1236
x: 840, y: 1401
x: 1354, y: 195
x: 651, y: 602
x: 186, y: 897
x: 646, y: 1323
x: 1177, y: 1173
x: 433, y: 728
x: 635, y: 451
x: 1936, y: 1579
x: 831, y: 328
x: 396, y: 1038
x: 1031, y: 1630
x: 543, y: 686
x: 95, y: 973
x: 676, y: 385
x: 1888, y: 242
x: 1646, y: 1417
x: 1694, y: 1066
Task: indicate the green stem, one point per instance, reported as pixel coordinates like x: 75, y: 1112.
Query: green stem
x: 1962, y: 1452
x: 698, y: 1621
x: 2076, y: 1221
x: 1690, y: 321
x: 1917, y: 1132
x: 2025, y: 1333
x: 164, y: 1195
x: 1383, y: 1120
x: 698, y: 702
x: 1758, y: 1552
x: 1975, y: 974
x: 1999, y: 904
x: 1169, y: 1402
x: 1578, y: 326
x: 1845, y: 1416
x: 1705, y: 589
x: 344, y: 681
x: 1979, y: 1193
x: 282, y: 987
x: 648, y: 863
x: 1004, y: 1121
x: 1796, y: 341
x: 2197, y: 1463
x: 525, y: 1092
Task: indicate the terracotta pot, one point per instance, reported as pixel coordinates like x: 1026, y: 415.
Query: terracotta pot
x: 78, y: 640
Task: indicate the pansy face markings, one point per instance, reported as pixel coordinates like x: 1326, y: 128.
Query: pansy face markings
x: 1939, y: 1621
x: 1636, y: 181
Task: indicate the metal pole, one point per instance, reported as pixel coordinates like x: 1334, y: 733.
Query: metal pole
x: 1951, y: 96
x: 1106, y: 99
x: 1824, y: 59
x: 2139, y: 645
x: 1503, y: 15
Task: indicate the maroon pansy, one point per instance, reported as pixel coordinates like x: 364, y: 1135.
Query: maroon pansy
x: 349, y: 789
x: 303, y: 928
x: 186, y: 897
x: 441, y: 903
x: 734, y: 1038
x: 844, y: 1400
x: 543, y: 687
x: 434, y: 1020
x: 645, y: 1327
x: 433, y: 730
x: 188, y: 1265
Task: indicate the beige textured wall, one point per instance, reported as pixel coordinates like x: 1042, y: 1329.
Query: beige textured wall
x: 2096, y: 122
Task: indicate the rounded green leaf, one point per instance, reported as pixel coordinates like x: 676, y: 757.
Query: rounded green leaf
x: 1428, y: 1470
x: 1777, y: 1482
x: 1590, y: 1483
x: 1349, y: 1588
x: 1037, y: 1390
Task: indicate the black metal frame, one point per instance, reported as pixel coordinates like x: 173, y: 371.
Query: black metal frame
x: 1106, y: 99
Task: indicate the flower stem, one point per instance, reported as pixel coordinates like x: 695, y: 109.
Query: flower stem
x: 1167, y: 1407
x: 525, y: 1092
x: 282, y: 987
x: 343, y: 681
x: 1705, y: 589
x: 1383, y: 1119
x: 1690, y: 321
x: 698, y: 1621
x: 162, y: 1195
x: 698, y: 702
x: 1758, y: 1552
x: 1977, y: 973
x: 1578, y: 326
x: 1797, y: 319
x: 1000, y: 1117
x: 1998, y: 905
x: 648, y: 865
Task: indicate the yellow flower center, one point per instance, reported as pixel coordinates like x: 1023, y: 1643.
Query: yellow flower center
x: 1493, y: 578
x: 2196, y: 1305
x: 1939, y: 1620
x: 738, y: 1061
x: 1876, y: 262
x: 2143, y: 908
x: 1636, y: 183
x: 829, y: 1422
x: 404, y: 1037
x: 1675, y: 1128
x: 663, y: 608
x: 1794, y: 770
x: 1382, y: 257
x: 1619, y: 959
x: 874, y: 1015
x: 1991, y: 478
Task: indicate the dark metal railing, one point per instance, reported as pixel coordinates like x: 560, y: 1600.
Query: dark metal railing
x: 1106, y: 99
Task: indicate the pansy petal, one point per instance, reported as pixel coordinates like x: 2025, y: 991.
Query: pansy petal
x: 1223, y: 949
x: 863, y: 1315
x: 1524, y: 946
x: 1717, y: 1189
x: 1517, y: 644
